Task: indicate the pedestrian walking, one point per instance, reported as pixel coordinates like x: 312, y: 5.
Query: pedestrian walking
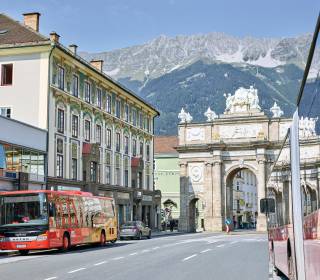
x: 227, y: 223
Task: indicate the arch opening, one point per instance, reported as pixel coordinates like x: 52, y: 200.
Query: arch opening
x: 241, y: 198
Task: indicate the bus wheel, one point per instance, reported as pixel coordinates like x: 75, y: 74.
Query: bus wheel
x: 24, y: 252
x: 65, y: 242
x: 102, y: 238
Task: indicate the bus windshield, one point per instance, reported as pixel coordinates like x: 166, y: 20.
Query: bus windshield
x: 25, y: 209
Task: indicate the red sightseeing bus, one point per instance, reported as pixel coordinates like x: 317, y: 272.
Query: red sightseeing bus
x: 33, y: 220
x: 294, y: 183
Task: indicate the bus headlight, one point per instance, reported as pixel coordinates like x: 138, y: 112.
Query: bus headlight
x: 42, y: 237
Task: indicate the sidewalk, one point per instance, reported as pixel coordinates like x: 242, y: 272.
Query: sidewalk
x: 166, y: 233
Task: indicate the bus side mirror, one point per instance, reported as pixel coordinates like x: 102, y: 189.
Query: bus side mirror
x: 267, y: 205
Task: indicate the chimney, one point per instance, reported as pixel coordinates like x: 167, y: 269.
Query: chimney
x: 97, y: 63
x: 32, y: 20
x: 73, y: 48
x: 54, y: 37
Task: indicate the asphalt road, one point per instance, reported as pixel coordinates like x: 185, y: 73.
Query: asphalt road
x: 181, y: 257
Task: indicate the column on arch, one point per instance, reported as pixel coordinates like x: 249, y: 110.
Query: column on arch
x: 184, y: 202
x: 261, y: 191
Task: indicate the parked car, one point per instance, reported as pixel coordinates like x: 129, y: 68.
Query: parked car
x: 134, y: 229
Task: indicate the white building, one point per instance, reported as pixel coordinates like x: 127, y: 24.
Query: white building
x: 245, y: 202
x: 100, y: 134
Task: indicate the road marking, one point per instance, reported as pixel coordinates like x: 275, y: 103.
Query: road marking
x: 156, y: 248
x: 204, y: 251
x: 100, y: 263
x: 133, y: 254
x: 219, y: 246
x: 118, y: 258
x: 51, y: 278
x: 145, y: 251
x: 212, y: 241
x: 234, y: 242
x: 76, y: 270
x: 190, y: 257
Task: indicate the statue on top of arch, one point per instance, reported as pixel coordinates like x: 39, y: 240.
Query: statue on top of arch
x: 244, y: 100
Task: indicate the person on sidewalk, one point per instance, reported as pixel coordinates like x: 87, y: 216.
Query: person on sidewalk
x: 228, y: 223
x: 171, y: 222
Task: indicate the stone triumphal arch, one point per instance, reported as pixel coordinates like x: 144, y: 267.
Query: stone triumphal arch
x: 214, y: 154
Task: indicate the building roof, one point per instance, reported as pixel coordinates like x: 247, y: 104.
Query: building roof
x: 13, y: 32
x: 165, y: 144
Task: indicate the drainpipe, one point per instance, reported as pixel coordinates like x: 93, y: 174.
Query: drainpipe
x: 53, y: 45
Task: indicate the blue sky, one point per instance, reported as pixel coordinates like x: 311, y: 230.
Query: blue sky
x: 100, y: 25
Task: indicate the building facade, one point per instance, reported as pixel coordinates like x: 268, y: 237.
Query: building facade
x: 100, y: 134
x: 212, y: 154
x: 245, y: 203
x: 167, y: 176
x: 22, y: 156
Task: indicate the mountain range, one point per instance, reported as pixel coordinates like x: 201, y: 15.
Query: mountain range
x: 195, y: 71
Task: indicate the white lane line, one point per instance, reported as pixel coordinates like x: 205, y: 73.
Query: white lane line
x: 100, y: 263
x: 234, y: 242
x: 76, y: 270
x: 118, y: 258
x: 212, y: 241
x: 133, y: 254
x: 205, y: 251
x: 156, y: 248
x: 51, y: 278
x: 219, y: 246
x: 190, y: 257
x: 145, y: 251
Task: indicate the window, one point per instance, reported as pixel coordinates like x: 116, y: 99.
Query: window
x: 126, y: 145
x: 87, y: 92
x: 134, y: 117
x: 99, y: 97
x: 148, y: 125
x: 126, y: 112
x: 87, y: 133
x: 75, y: 126
x: 148, y: 181
x: 141, y: 149
x: 148, y: 152
x: 108, y: 174
x: 93, y: 171
x: 60, y: 121
x: 108, y: 104
x: 118, y: 141
x: 118, y: 175
x: 5, y: 112
x: 59, y: 165
x: 134, y: 147
x: 140, y: 180
x: 108, y: 168
x: 61, y: 77
x: 118, y: 108
x: 98, y: 133
x: 74, y: 169
x: 108, y: 140
x: 141, y: 120
x: 6, y: 71
x: 75, y: 85
x: 126, y: 178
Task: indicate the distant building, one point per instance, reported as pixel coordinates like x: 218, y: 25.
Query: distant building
x: 245, y: 204
x: 167, y: 175
x: 22, y: 156
x: 100, y: 134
